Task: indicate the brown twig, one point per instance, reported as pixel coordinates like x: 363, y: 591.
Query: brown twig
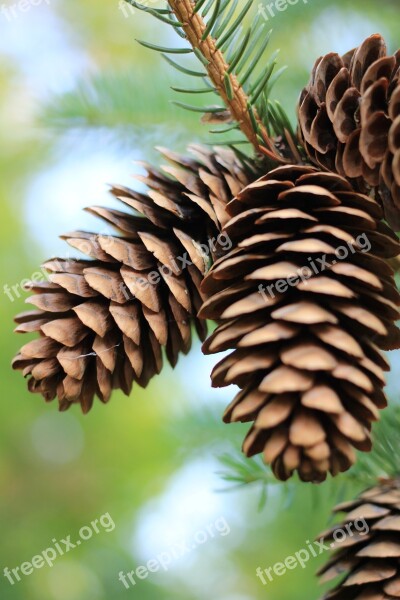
x: 217, y: 68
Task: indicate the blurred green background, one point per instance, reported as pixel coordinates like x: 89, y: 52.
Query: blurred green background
x: 80, y: 101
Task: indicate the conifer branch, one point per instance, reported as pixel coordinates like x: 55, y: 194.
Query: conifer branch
x: 230, y: 54
x: 219, y: 71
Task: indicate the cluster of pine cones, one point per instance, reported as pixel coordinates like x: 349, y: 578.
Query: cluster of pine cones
x: 303, y: 295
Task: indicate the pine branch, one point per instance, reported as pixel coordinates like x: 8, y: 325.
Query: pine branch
x: 104, y: 100
x: 220, y: 73
x: 229, y: 55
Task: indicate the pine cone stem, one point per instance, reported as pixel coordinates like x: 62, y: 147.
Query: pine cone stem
x: 218, y: 69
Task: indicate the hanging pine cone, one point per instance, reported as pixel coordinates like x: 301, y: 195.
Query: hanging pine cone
x: 103, y: 322
x: 349, y: 119
x: 305, y: 321
x: 370, y: 552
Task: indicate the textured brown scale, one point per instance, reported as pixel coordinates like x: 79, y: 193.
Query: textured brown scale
x: 103, y: 322
x: 349, y: 120
x: 307, y: 357
x: 369, y: 559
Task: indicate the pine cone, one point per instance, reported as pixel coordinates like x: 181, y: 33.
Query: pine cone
x: 349, y: 119
x: 103, y: 322
x: 369, y: 554
x: 306, y: 349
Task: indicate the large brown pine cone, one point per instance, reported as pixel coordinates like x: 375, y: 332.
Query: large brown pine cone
x: 103, y: 322
x: 349, y: 119
x: 367, y: 547
x: 306, y: 350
